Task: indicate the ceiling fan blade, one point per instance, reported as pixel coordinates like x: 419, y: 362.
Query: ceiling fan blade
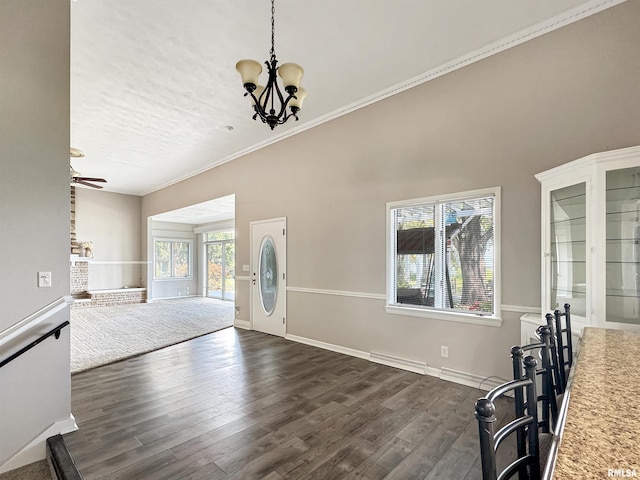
x: 82, y: 182
x: 90, y: 179
x: 75, y: 153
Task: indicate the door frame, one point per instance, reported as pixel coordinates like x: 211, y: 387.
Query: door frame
x: 282, y: 269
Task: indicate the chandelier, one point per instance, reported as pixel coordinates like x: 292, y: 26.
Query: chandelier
x: 269, y: 103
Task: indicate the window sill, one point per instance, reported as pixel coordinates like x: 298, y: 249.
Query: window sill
x: 486, y: 320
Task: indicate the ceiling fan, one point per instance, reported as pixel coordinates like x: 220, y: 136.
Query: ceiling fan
x: 77, y: 178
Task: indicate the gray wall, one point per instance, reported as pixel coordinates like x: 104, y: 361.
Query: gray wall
x: 559, y: 97
x: 112, y: 222
x: 34, y: 212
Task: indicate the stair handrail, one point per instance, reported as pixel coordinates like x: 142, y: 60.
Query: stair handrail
x: 54, y: 331
x: 34, y: 319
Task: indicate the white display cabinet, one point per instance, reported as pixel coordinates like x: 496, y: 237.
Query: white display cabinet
x: 591, y: 241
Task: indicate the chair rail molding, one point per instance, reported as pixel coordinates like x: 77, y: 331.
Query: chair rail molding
x: 382, y: 296
x: 340, y: 293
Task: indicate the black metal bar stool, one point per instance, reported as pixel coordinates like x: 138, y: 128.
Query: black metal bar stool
x: 527, y: 465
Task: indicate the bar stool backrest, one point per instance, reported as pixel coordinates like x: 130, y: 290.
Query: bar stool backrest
x: 547, y: 373
x: 565, y: 341
x: 561, y: 344
x: 527, y: 465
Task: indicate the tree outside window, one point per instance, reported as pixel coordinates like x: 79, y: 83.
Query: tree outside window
x: 172, y: 259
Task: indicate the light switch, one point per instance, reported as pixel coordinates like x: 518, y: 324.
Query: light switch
x: 44, y: 279
x: 245, y: 268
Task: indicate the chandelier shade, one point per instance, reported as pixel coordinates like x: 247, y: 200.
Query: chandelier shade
x: 249, y: 70
x: 269, y: 102
x: 291, y: 74
x: 296, y: 102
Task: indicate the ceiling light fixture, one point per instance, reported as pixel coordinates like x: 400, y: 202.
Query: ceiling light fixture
x: 269, y: 102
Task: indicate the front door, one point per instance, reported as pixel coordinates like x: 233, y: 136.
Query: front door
x: 268, y: 276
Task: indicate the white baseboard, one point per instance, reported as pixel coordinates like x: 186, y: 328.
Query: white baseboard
x: 171, y: 298
x: 415, y: 366
x: 470, y: 379
x: 244, y: 324
x: 329, y: 346
x: 36, y: 450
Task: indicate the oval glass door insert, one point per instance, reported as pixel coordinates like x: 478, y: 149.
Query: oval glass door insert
x: 268, y: 275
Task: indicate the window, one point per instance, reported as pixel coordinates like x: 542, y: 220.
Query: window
x: 172, y: 258
x: 443, y: 257
x: 220, y: 258
x: 218, y: 236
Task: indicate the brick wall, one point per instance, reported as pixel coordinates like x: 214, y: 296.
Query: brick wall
x: 75, y: 248
x: 108, y: 298
x: 118, y: 297
x: 79, y: 278
x: 83, y: 298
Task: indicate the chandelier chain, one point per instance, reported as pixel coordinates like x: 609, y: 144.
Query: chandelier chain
x: 273, y: 30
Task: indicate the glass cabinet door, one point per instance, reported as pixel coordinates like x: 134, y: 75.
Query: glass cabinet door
x: 591, y: 239
x: 568, y: 248
x: 623, y: 245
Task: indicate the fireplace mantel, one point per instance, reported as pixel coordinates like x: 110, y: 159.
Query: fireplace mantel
x: 77, y: 258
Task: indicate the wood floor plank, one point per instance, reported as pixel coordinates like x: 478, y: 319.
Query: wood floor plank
x: 130, y: 457
x: 208, y: 472
x: 419, y: 463
x: 269, y: 462
x: 343, y: 462
x: 382, y: 461
x: 453, y: 464
x: 244, y: 405
x: 326, y: 442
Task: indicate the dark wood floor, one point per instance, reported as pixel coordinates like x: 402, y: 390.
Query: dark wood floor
x: 244, y: 405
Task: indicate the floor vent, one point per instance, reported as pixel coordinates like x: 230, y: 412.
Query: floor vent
x: 398, y: 362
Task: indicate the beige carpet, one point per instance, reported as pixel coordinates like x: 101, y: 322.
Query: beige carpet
x: 34, y: 471
x: 103, y: 335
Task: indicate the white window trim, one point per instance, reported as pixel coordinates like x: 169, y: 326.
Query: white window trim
x: 223, y: 226
x: 173, y: 240
x: 494, y: 320
x: 219, y: 230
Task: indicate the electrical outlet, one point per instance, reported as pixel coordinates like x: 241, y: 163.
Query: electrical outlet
x: 44, y: 279
x: 444, y: 351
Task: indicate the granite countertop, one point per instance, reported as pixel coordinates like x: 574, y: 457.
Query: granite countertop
x: 602, y: 426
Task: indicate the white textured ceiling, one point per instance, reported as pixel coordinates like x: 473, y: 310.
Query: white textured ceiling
x: 154, y: 82
x: 205, y: 213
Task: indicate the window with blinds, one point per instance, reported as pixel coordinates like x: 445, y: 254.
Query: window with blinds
x: 442, y: 253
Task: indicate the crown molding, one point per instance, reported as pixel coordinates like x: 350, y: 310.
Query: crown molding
x: 522, y: 36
